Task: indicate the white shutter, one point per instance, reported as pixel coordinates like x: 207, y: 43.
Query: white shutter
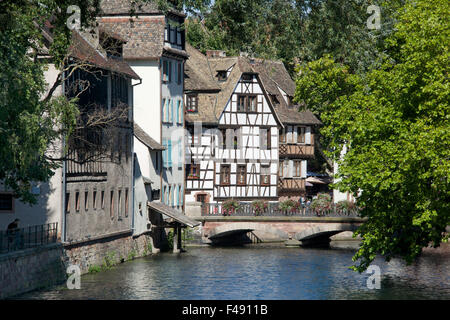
x: 304, y: 168
x: 290, y: 168
x: 308, y: 135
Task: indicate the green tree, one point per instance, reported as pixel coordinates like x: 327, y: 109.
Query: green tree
x: 395, y: 122
x: 31, y: 118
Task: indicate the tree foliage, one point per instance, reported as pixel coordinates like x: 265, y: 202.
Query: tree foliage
x: 395, y: 122
x: 294, y: 30
x: 28, y: 122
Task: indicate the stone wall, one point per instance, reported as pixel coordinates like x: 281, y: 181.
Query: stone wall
x: 31, y: 269
x: 111, y: 250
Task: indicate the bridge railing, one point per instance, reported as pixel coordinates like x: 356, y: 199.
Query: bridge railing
x: 274, y: 210
x: 29, y: 237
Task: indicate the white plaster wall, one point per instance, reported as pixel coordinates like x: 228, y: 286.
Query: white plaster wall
x: 147, y: 97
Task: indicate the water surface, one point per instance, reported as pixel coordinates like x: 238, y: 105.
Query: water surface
x: 263, y: 272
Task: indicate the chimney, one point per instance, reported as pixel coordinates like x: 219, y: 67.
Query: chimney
x: 215, y: 54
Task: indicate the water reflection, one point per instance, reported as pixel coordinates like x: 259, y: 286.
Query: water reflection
x: 260, y: 273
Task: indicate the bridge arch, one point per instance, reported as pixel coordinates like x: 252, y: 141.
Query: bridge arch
x: 320, y: 234
x: 236, y: 228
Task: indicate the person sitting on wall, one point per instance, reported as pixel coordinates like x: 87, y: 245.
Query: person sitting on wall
x: 13, y: 234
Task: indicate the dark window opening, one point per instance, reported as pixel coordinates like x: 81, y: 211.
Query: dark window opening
x: 222, y: 75
x: 242, y: 174
x: 6, y: 202
x: 192, y: 103
x: 225, y: 174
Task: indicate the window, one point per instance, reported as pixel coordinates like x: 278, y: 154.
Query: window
x: 241, y: 174
x: 119, y: 204
x: 274, y: 99
x: 265, y: 139
x: 222, y: 75
x: 180, y: 112
x: 301, y: 134
x: 111, y: 205
x: 191, y: 103
x: 246, y: 103
x: 67, y: 202
x: 190, y: 135
x: 265, y: 175
x: 102, y: 199
x: 281, y: 169
x: 247, y: 77
x: 86, y: 200
x: 180, y: 153
x: 297, y: 168
x: 6, y: 203
x: 241, y: 103
x: 282, y: 136
x: 164, y: 110
x: 193, y: 171
x: 94, y: 200
x: 156, y: 194
x: 167, y: 71
x: 225, y: 174
x: 77, y: 201
x: 179, y: 73
x: 223, y: 132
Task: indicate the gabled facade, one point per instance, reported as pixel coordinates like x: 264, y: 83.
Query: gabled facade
x: 155, y: 50
x: 238, y: 131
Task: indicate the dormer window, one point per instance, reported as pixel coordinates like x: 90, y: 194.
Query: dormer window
x: 222, y: 75
x: 290, y: 101
x: 247, y: 77
x: 192, y: 103
x: 274, y: 99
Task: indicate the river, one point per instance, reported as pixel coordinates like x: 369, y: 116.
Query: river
x: 261, y: 272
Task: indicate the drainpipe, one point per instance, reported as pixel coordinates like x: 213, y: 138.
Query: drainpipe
x: 133, y: 227
x: 63, y: 195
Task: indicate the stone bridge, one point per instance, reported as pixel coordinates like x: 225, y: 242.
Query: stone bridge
x: 310, y: 231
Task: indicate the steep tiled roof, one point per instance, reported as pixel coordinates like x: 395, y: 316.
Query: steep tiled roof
x: 146, y: 139
x: 83, y: 50
x: 199, y: 72
x: 144, y: 35
x: 272, y: 74
x: 143, y: 30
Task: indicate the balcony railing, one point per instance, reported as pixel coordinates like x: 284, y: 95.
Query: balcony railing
x: 296, y: 150
x: 274, y: 210
x: 29, y: 237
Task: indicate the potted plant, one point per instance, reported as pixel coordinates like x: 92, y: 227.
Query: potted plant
x: 321, y: 204
x: 230, y: 207
x: 289, y: 206
x: 259, y: 206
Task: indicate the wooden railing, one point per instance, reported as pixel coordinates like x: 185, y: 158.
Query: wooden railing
x: 91, y: 167
x: 296, y: 150
x: 295, y: 184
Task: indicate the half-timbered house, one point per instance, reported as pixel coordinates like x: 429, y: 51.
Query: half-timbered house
x: 240, y: 122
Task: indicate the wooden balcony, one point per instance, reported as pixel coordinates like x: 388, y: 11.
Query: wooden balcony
x: 296, y: 150
x: 291, y: 184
